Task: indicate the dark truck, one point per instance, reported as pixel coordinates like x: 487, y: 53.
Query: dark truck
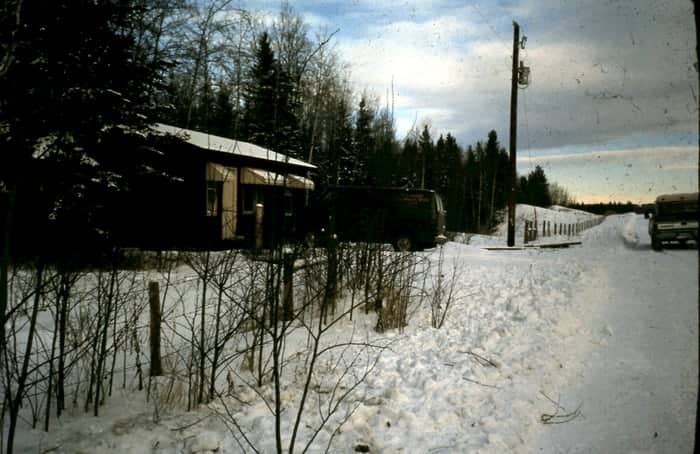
x: 675, y: 218
x: 409, y: 219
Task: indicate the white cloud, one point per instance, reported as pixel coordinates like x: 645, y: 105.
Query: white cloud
x: 684, y: 153
x: 627, y: 174
x: 599, y: 71
x: 316, y: 21
x: 681, y: 166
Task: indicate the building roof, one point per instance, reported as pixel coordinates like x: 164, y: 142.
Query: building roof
x: 231, y: 146
x: 250, y: 175
x: 687, y: 197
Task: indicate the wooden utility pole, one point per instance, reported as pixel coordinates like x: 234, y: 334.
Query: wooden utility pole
x: 513, y: 135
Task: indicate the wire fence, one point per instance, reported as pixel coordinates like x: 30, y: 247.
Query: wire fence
x: 534, y: 230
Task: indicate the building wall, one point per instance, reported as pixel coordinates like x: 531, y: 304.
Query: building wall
x: 228, y: 203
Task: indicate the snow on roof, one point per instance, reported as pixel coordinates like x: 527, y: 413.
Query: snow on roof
x: 685, y: 197
x: 224, y: 145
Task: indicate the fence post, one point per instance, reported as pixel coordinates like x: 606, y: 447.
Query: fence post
x: 154, y: 304
x: 544, y: 229
x: 259, y: 212
x: 525, y: 233
x: 288, y: 287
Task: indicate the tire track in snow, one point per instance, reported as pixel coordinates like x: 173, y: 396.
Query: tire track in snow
x: 638, y: 387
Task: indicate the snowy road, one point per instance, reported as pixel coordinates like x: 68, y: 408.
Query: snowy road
x: 637, y: 389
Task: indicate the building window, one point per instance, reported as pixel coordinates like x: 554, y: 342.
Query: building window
x: 288, y: 203
x: 250, y: 198
x: 213, y: 198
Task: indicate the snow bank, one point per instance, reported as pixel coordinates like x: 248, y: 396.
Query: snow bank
x: 510, y: 343
x: 554, y: 215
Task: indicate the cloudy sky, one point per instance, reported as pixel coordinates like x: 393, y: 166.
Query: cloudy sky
x: 611, y: 112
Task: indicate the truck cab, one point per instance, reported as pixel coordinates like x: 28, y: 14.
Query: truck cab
x: 675, y: 218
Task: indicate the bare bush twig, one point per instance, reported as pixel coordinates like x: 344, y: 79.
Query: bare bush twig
x: 558, y: 418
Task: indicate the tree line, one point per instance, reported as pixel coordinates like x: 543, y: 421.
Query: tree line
x: 274, y: 86
x: 612, y: 207
x: 72, y: 72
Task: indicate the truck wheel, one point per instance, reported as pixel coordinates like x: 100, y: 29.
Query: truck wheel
x: 655, y: 243
x: 403, y: 244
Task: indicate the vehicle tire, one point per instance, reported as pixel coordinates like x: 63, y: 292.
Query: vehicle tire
x: 684, y: 243
x: 655, y: 243
x: 403, y: 244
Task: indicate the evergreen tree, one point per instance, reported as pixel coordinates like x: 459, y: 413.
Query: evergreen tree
x: 538, y: 188
x: 484, y: 180
x: 363, y: 141
x: 382, y: 166
x: 492, y: 170
x: 426, y: 149
x: 259, y: 119
x: 481, y: 193
x: 203, y: 109
x: 455, y: 189
x: 339, y: 147
x: 409, y: 164
x: 523, y: 194
x: 534, y: 189
x: 471, y: 176
x: 269, y: 118
x: 74, y: 75
x: 440, y: 176
x: 222, y: 121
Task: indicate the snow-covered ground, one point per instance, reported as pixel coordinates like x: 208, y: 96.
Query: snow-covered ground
x: 558, y: 219
x: 605, y: 332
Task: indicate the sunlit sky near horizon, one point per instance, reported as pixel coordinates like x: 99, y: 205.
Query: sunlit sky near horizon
x: 611, y: 112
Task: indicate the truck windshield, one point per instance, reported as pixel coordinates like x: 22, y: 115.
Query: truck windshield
x: 677, y: 209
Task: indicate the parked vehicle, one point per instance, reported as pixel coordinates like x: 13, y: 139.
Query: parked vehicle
x: 409, y: 219
x: 647, y: 209
x: 675, y: 218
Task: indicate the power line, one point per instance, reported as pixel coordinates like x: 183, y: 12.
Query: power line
x: 491, y: 27
x: 527, y: 131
